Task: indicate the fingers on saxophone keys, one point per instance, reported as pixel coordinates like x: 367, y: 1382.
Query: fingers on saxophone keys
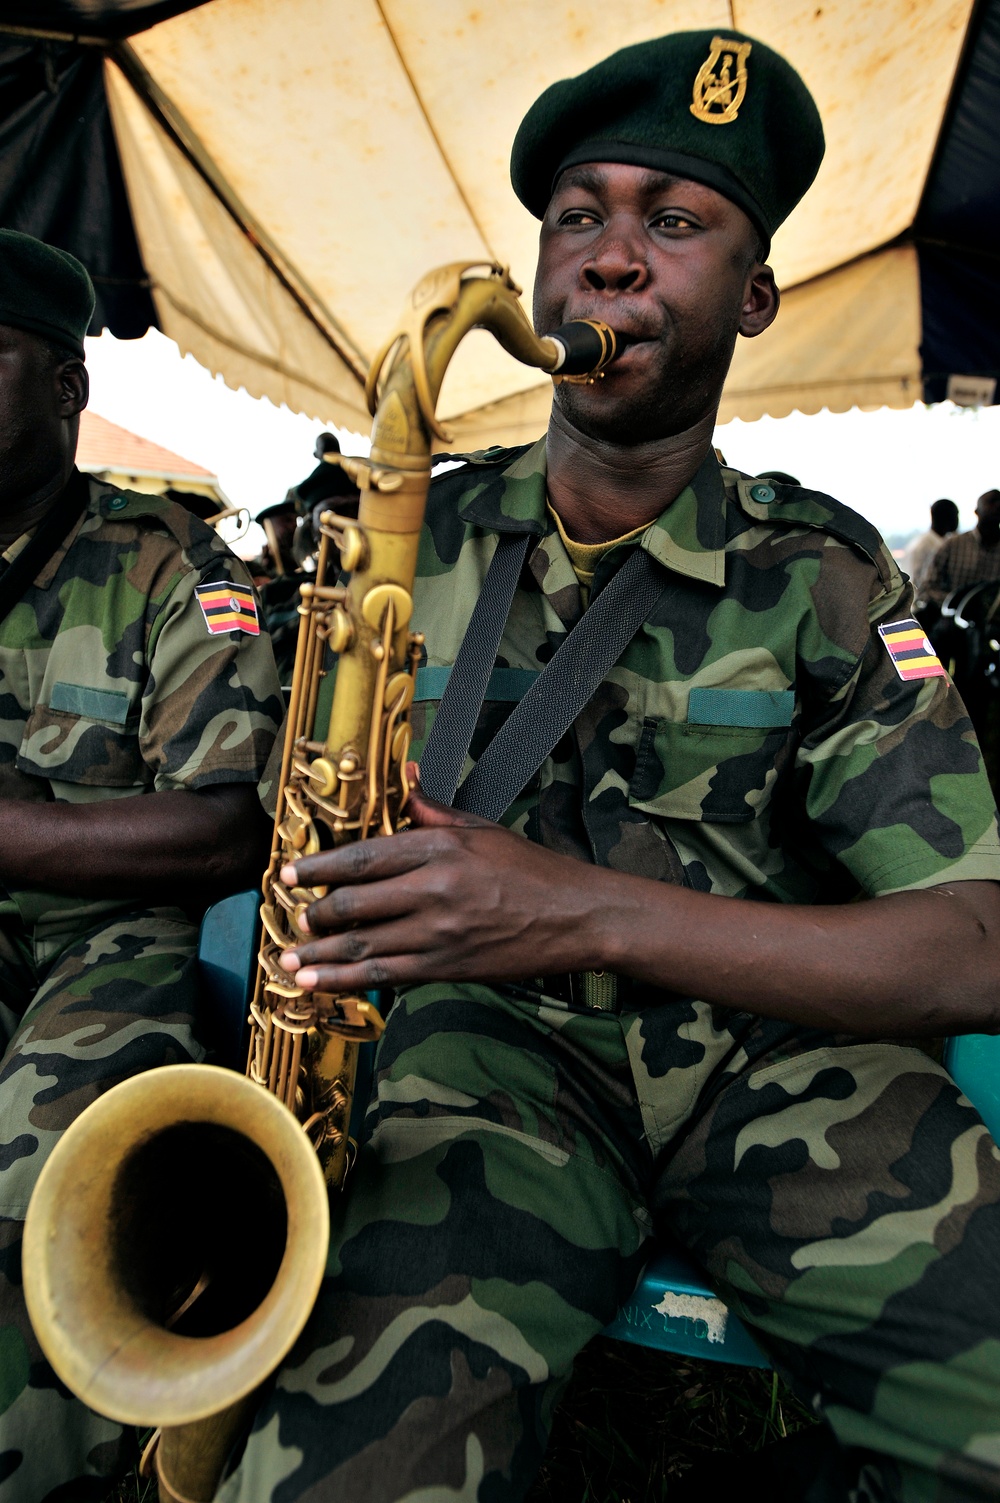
x: 365, y: 861
x: 367, y: 975
x: 335, y: 962
x: 347, y: 907
x: 343, y: 949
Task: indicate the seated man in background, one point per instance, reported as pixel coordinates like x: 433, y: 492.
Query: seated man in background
x: 131, y: 664
x: 966, y: 558
x: 923, y: 550
x: 325, y: 488
x: 962, y: 638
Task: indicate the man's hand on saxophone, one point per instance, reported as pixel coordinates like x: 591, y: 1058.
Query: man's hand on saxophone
x: 453, y: 897
x: 457, y: 898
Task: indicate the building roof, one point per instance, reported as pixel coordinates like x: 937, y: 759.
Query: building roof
x: 105, y: 446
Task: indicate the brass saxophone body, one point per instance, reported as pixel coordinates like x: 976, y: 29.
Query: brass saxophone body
x: 353, y: 785
x: 157, y: 1311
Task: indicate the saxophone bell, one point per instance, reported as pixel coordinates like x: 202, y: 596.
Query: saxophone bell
x: 173, y: 1249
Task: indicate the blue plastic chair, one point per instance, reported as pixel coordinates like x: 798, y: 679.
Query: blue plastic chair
x: 673, y: 1307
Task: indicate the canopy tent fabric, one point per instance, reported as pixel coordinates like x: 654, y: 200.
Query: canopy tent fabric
x: 265, y: 182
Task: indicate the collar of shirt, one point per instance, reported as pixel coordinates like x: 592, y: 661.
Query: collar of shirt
x: 689, y: 535
x: 50, y: 569
x: 585, y: 557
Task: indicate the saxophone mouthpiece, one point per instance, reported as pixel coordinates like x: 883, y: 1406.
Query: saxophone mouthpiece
x: 585, y: 348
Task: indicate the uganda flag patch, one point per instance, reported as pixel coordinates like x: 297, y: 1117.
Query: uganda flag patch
x: 228, y: 607
x: 912, y: 655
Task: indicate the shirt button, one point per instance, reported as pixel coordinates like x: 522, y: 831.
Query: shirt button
x: 761, y: 493
x: 117, y: 503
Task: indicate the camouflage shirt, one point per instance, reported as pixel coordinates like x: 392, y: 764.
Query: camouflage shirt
x: 112, y: 683
x: 754, y: 739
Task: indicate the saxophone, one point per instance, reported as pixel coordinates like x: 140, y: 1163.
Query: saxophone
x: 177, y: 1237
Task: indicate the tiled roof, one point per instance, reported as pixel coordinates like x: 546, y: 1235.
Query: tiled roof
x: 105, y: 446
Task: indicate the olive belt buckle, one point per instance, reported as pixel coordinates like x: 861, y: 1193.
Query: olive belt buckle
x: 597, y: 990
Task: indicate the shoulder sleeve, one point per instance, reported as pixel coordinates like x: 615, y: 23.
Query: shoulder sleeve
x: 212, y: 704
x: 891, y: 773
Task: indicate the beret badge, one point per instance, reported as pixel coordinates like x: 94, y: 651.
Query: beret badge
x: 717, y: 95
x: 657, y: 104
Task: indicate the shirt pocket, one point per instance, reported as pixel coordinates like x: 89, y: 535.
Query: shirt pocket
x: 506, y: 686
x: 84, y: 736
x: 721, y: 764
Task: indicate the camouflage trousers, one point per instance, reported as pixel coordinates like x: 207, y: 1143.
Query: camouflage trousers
x: 843, y: 1196
x: 119, y: 1000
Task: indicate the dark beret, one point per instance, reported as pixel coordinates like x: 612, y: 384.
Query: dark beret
x: 284, y: 508
x: 716, y: 106
x: 44, y: 290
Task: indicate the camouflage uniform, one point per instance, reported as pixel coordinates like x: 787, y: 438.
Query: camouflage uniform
x: 112, y: 687
x: 753, y: 741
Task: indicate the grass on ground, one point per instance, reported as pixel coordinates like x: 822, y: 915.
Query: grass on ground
x: 633, y: 1421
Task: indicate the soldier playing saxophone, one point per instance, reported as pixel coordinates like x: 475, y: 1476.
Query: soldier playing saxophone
x: 765, y: 842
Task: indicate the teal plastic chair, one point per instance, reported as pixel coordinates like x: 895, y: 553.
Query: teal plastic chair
x: 673, y: 1307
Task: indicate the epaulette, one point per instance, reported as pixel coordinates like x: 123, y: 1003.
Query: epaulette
x: 201, y: 545
x: 795, y: 506
x: 494, y: 455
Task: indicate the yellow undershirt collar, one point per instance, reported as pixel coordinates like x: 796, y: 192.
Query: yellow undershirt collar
x: 586, y: 556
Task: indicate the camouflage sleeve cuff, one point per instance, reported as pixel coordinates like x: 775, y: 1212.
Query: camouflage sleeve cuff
x: 980, y: 863
x: 247, y: 770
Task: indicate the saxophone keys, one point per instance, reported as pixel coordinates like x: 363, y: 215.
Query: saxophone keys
x: 340, y: 631
x: 379, y: 598
x: 322, y: 777
x: 280, y: 892
x: 357, y: 1018
x: 272, y: 924
x: 385, y: 481
x: 294, y: 833
x: 353, y: 549
x: 308, y: 895
x: 399, y: 692
x: 282, y: 989
x: 401, y: 741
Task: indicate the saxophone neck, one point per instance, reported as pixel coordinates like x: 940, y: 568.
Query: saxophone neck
x: 442, y: 309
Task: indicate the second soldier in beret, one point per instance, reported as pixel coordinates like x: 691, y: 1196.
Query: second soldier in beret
x: 672, y: 993
x: 140, y: 702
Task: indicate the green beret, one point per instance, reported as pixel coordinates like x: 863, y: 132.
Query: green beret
x: 715, y: 106
x: 44, y: 290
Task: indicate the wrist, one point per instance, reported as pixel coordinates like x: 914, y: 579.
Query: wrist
x: 607, y: 927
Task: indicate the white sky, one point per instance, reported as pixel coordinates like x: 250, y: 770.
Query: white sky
x: 888, y: 465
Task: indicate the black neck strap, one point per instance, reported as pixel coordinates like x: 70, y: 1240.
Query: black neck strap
x: 448, y: 743
x: 565, y: 685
